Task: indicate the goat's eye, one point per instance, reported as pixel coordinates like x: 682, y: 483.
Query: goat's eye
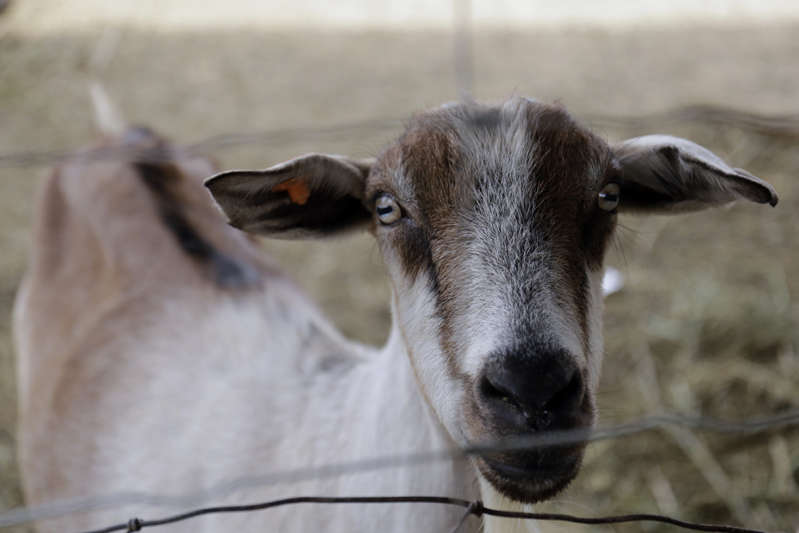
x: 387, y: 209
x: 608, y: 197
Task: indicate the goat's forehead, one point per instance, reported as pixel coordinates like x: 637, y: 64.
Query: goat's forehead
x: 448, y: 154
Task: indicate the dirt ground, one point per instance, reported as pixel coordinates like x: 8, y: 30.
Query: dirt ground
x: 706, y: 323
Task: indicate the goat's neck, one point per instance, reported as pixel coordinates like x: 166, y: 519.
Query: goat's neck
x: 395, y: 402
x: 375, y: 409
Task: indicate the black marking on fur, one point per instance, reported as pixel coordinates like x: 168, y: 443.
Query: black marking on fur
x: 226, y: 271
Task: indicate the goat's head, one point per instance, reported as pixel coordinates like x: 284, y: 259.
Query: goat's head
x: 493, y: 223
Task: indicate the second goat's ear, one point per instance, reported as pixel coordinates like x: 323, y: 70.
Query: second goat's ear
x: 310, y: 196
x: 660, y: 173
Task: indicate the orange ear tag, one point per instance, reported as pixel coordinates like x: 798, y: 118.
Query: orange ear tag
x: 298, y: 190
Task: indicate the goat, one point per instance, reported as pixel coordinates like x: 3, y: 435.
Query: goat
x: 159, y: 351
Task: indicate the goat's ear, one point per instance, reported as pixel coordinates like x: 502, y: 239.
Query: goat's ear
x: 311, y: 196
x: 660, y: 173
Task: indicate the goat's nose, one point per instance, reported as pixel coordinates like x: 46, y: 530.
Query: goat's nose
x: 542, y: 390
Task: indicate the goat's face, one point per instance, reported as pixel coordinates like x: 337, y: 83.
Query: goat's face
x: 493, y: 223
x: 490, y: 223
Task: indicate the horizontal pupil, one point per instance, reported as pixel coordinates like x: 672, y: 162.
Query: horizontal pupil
x: 384, y: 210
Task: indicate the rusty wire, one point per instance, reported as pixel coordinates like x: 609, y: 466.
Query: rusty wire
x: 473, y: 508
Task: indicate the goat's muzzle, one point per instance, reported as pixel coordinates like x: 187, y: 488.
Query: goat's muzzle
x: 529, y: 392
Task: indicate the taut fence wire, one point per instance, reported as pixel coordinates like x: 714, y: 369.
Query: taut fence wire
x: 786, y: 419
x: 773, y: 125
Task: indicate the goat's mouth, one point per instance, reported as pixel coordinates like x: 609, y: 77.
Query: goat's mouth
x: 540, y: 471
x: 532, y: 476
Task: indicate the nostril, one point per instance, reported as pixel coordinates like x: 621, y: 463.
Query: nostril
x: 569, y: 397
x: 492, y: 391
x: 536, y: 392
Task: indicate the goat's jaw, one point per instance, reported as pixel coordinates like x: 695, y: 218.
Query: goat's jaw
x: 535, y: 484
x: 534, y: 474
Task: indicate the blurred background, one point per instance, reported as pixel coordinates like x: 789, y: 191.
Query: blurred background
x: 707, y: 321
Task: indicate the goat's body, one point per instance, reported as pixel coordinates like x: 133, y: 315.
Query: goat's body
x: 163, y: 367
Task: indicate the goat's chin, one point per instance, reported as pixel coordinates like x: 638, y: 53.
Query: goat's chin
x: 521, y: 478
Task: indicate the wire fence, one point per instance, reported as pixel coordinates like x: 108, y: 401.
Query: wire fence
x: 52, y: 510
